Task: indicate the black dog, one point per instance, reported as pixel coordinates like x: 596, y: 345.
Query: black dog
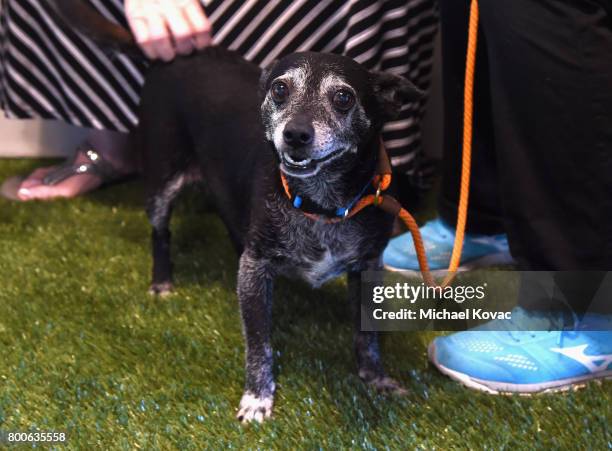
x: 315, y: 118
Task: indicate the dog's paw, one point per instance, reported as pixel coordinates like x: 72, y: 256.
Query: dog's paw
x: 253, y: 408
x: 383, y: 384
x: 388, y: 386
x: 161, y: 289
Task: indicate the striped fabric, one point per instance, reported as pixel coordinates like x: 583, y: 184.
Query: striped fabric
x: 49, y: 71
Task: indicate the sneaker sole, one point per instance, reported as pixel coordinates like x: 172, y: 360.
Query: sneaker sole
x: 503, y: 388
x: 501, y: 258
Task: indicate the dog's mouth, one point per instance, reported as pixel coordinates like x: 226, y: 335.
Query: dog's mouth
x: 308, y: 166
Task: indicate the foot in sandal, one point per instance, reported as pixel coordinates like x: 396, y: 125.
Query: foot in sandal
x: 100, y: 160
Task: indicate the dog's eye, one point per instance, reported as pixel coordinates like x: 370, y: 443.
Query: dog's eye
x: 343, y: 100
x: 279, y: 91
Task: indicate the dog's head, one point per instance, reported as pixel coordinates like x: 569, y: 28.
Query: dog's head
x: 320, y: 108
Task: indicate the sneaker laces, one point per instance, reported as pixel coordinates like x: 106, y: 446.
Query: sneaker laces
x: 569, y: 332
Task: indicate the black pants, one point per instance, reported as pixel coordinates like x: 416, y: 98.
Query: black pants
x: 542, y: 169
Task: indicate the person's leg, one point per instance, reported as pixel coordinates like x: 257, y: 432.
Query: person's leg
x: 559, y: 216
x: 552, y: 105
x: 484, y: 210
x: 551, y: 79
x: 485, y: 242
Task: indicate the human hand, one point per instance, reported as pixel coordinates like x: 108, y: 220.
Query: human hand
x: 165, y: 28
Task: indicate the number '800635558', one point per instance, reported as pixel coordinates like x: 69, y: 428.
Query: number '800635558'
x: 32, y: 437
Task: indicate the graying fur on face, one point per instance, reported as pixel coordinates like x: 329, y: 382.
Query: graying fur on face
x: 335, y: 132
x: 275, y: 116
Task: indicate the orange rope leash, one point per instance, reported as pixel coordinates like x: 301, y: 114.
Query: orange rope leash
x: 382, y: 181
x: 468, y: 120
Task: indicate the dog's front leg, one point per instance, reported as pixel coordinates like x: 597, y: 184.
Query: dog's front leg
x: 255, y: 297
x: 367, y: 350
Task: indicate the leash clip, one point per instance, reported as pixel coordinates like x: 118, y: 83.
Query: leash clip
x: 377, y: 198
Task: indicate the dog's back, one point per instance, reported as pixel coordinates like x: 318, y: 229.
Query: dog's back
x: 199, y: 117
x: 201, y: 114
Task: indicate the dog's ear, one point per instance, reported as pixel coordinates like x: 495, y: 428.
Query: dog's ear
x: 263, y: 79
x: 391, y: 92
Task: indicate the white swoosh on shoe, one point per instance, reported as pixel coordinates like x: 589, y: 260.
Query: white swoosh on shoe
x: 577, y: 353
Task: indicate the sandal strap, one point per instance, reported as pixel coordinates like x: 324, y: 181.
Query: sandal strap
x: 96, y: 166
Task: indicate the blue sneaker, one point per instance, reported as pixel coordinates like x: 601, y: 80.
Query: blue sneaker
x: 478, y: 250
x: 525, y: 362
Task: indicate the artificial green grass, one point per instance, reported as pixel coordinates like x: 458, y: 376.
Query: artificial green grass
x: 85, y: 349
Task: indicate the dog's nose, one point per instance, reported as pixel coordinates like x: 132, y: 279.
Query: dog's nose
x: 298, y: 133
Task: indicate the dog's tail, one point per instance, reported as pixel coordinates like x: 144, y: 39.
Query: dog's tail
x: 85, y: 19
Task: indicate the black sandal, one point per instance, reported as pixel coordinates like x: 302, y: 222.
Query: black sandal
x: 96, y: 166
